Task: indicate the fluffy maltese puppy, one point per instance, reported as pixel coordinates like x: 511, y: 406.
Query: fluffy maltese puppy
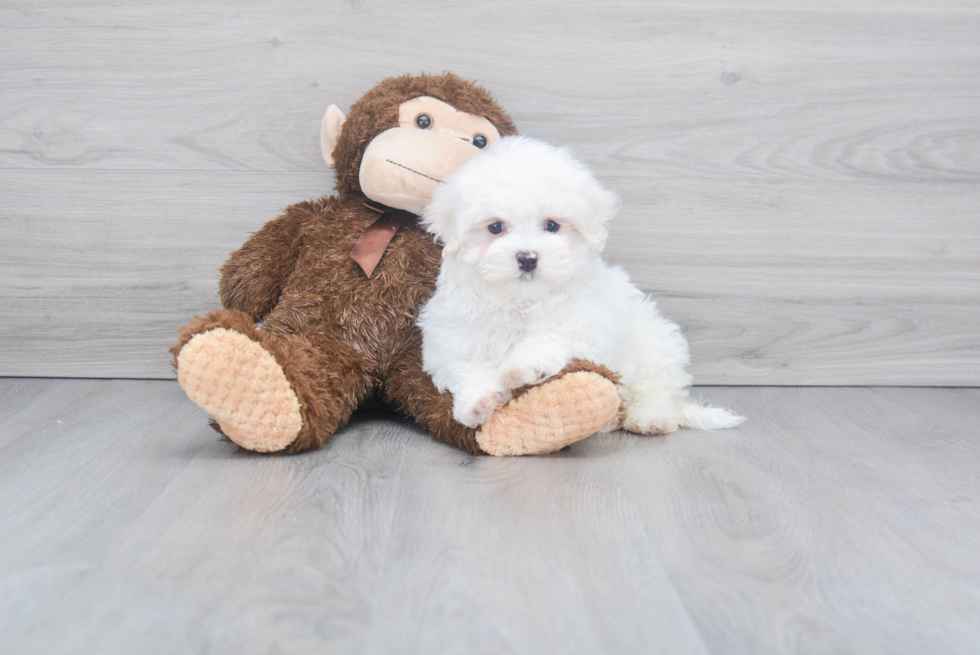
x: 522, y: 291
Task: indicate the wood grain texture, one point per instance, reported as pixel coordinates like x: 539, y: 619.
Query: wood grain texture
x: 102, y: 290
x: 836, y: 520
x: 800, y: 182
x: 828, y: 526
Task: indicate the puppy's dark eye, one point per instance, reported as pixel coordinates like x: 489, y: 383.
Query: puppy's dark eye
x: 551, y: 226
x: 496, y: 228
x: 480, y: 141
x: 422, y: 121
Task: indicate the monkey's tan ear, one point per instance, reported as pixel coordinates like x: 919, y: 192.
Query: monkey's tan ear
x: 333, y: 122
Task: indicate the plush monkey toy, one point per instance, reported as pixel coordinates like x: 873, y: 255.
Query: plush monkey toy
x: 321, y: 303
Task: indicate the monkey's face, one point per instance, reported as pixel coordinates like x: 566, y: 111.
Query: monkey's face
x: 403, y: 165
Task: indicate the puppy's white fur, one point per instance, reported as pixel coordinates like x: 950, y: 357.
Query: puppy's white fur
x: 492, y: 327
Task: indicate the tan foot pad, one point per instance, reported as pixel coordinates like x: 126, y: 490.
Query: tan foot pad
x: 242, y: 387
x: 551, y: 416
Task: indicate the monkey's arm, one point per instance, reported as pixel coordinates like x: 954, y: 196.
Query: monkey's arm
x: 253, y: 277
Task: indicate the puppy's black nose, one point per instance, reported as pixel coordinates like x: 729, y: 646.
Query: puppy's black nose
x: 527, y: 261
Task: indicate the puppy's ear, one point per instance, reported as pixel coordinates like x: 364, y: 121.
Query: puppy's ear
x: 439, y: 218
x: 602, y: 206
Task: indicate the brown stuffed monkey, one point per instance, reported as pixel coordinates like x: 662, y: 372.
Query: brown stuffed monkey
x: 321, y: 303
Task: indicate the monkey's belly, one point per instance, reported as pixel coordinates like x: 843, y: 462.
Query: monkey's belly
x: 330, y: 301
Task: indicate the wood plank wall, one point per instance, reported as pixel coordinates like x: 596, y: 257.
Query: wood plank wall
x: 801, y: 181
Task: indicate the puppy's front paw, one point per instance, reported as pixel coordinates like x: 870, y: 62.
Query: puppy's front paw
x: 476, y: 410
x: 533, y: 363
x: 518, y: 376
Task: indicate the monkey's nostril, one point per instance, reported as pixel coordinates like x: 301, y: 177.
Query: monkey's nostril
x: 527, y: 261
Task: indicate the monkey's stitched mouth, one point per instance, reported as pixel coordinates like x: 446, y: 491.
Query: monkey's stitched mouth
x: 412, y: 170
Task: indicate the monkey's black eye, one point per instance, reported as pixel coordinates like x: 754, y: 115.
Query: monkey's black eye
x: 551, y: 226
x: 423, y: 121
x: 480, y: 141
x: 496, y: 228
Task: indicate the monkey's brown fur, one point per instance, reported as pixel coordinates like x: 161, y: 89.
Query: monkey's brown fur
x: 339, y: 336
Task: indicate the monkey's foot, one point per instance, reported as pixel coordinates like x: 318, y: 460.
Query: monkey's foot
x: 568, y: 408
x: 242, y: 387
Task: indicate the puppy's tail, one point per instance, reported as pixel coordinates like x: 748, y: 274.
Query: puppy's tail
x: 704, y: 417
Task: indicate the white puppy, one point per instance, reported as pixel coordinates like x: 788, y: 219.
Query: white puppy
x: 522, y: 291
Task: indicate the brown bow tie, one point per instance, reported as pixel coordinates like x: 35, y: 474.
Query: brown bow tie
x: 371, y: 245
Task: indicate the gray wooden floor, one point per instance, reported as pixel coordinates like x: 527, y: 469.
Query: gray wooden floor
x: 835, y: 520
